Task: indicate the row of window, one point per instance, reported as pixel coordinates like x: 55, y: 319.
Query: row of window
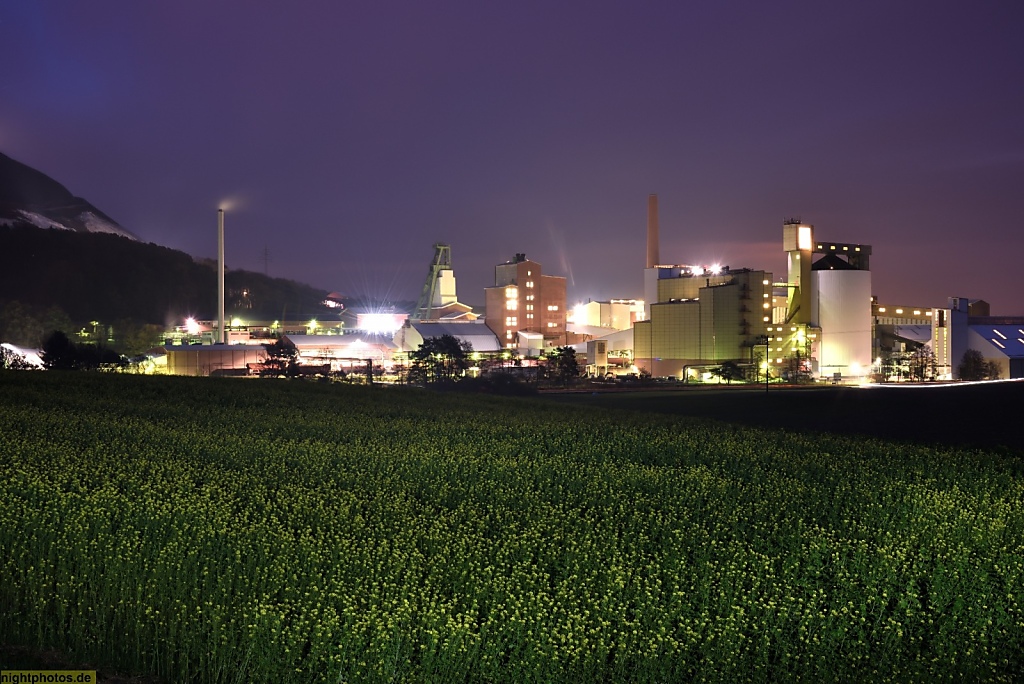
x: 512, y: 304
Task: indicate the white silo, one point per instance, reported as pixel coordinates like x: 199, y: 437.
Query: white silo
x: 841, y: 308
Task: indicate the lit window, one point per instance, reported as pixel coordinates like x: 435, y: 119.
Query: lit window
x: 766, y: 295
x: 529, y: 316
x: 529, y: 283
x: 917, y: 313
x: 765, y: 319
x: 899, y: 311
x: 511, y: 292
x: 511, y: 304
x: 529, y: 273
x: 767, y: 305
x: 803, y: 237
x: 881, y: 309
x: 764, y: 282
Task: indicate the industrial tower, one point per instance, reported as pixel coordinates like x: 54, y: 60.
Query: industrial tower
x: 434, y: 290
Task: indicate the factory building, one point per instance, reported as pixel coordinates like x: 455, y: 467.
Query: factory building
x: 897, y: 329
x: 901, y: 342
x: 525, y: 300
x: 698, y: 316
x: 342, y: 352
x: 828, y: 304
x: 213, y: 359
x: 816, y: 323
x: 615, y: 314
x: 411, y: 335
x: 967, y: 324
x: 702, y: 316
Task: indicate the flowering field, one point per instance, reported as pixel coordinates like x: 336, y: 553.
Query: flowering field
x: 257, y: 531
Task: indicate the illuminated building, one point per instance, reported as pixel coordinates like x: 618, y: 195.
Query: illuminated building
x: 901, y: 338
x: 967, y: 324
x: 829, y: 298
x: 213, y: 359
x: 411, y: 335
x: 347, y: 353
x: 701, y: 317
x: 524, y: 300
x: 438, y: 300
x: 816, y: 323
x: 616, y: 314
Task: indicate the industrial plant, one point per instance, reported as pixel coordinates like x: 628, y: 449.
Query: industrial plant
x: 819, y: 322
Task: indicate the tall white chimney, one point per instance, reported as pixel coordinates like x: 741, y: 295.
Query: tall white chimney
x: 652, y: 231
x: 222, y: 334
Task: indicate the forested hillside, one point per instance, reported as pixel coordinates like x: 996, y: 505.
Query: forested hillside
x: 60, y: 275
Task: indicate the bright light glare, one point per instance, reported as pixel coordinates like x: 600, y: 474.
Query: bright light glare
x: 380, y: 323
x: 716, y: 268
x: 192, y: 326
x: 579, y: 313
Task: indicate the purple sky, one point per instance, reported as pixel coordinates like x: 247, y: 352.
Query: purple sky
x: 352, y: 136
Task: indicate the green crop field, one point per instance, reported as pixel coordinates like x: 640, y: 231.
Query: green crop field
x: 203, y: 530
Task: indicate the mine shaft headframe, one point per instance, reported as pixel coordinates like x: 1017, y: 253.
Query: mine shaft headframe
x: 442, y: 262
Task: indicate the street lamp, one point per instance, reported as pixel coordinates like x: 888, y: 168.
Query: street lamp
x: 765, y: 340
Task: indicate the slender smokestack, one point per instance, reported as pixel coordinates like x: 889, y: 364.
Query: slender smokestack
x: 652, y: 231
x: 222, y: 333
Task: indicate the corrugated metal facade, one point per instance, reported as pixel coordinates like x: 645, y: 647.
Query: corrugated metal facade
x: 842, y: 309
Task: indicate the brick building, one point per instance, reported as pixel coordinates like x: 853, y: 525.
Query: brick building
x: 524, y: 300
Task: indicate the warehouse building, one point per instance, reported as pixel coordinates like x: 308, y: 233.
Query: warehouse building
x: 967, y: 324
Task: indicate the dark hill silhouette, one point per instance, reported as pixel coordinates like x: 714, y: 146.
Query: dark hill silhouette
x: 105, y: 277
x: 31, y: 198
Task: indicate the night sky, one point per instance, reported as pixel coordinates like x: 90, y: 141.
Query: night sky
x: 350, y: 136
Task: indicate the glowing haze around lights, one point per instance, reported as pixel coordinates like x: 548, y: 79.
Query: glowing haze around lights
x: 379, y: 323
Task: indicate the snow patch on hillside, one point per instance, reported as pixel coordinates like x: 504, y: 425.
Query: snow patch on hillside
x: 95, y: 224
x: 41, y: 221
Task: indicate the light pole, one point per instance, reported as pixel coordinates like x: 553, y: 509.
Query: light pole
x: 765, y: 340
